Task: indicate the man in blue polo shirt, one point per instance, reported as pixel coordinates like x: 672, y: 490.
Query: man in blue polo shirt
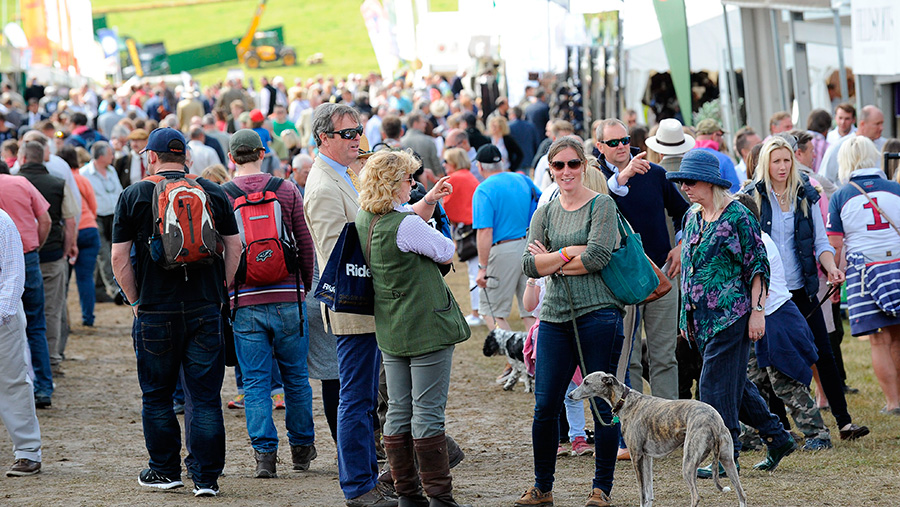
x: 501, y: 212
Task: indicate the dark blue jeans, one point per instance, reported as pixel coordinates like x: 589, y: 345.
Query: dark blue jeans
x: 359, y: 361
x: 187, y: 338
x: 36, y: 328
x: 725, y: 386
x: 88, y: 247
x: 601, y: 342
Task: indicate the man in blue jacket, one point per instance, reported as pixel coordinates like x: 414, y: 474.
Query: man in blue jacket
x: 645, y: 197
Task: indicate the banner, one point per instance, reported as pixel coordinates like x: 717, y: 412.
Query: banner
x: 603, y: 28
x: 674, y: 29
x: 59, y: 32
x: 875, y: 31
x: 378, y: 24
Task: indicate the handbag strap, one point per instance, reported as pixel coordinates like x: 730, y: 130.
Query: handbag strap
x: 369, y: 239
x: 875, y: 205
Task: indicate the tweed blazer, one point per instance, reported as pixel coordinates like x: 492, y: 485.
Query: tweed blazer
x: 329, y: 202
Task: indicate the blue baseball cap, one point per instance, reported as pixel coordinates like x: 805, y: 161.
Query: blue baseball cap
x: 165, y: 140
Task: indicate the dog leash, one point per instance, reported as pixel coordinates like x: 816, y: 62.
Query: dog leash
x: 827, y: 296
x: 584, y: 371
x: 487, y: 300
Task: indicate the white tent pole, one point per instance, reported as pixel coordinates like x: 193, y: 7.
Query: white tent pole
x: 779, y: 62
x: 842, y: 72
x: 735, y: 108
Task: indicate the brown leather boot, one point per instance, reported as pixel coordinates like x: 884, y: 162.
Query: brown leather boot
x: 434, y: 469
x: 401, y: 457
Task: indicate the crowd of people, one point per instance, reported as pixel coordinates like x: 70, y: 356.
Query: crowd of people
x: 757, y: 240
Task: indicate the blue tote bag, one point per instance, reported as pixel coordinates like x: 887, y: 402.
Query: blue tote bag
x: 345, y: 285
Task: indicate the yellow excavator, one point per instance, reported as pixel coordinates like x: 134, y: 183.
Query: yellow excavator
x: 256, y: 47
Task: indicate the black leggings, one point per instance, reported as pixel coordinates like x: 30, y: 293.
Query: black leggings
x: 831, y: 381
x: 330, y: 396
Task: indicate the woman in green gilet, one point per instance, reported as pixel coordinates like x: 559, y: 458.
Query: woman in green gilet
x: 417, y: 323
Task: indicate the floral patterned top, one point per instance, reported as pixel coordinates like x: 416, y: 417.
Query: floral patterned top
x: 718, y: 263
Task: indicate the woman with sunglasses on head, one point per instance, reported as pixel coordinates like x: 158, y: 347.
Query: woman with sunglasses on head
x: 789, y: 214
x: 570, y: 240
x: 417, y: 323
x: 724, y: 278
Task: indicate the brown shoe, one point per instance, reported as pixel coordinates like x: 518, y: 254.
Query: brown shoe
x: 23, y: 467
x: 598, y: 499
x: 533, y: 496
x: 623, y: 455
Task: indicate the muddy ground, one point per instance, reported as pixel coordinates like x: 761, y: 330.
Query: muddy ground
x: 94, y: 447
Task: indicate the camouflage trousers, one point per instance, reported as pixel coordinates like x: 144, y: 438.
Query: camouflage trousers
x: 795, y: 396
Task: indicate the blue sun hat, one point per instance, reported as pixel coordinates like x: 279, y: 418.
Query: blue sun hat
x: 699, y: 165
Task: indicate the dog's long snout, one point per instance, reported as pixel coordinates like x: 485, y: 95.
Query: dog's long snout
x: 575, y: 394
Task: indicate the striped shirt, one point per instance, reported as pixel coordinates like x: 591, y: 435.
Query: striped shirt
x: 12, y: 269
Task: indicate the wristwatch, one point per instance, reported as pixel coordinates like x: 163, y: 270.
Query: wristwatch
x: 482, y: 267
x: 760, y: 308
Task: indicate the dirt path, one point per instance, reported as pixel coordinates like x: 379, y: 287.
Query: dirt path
x: 94, y: 447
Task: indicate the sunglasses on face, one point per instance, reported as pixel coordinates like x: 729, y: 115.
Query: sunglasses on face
x: 347, y: 133
x: 688, y: 183
x: 558, y: 165
x: 612, y: 143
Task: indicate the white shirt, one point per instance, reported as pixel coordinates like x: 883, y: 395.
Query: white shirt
x: 134, y: 172
x: 202, y: 156
x: 106, y: 188
x: 778, y: 291
x: 542, y: 173
x: 835, y: 136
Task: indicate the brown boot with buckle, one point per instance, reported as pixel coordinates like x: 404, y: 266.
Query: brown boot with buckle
x: 401, y: 457
x: 598, y: 498
x: 534, y: 496
x: 434, y: 469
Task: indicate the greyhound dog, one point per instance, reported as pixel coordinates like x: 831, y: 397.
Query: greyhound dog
x: 653, y: 427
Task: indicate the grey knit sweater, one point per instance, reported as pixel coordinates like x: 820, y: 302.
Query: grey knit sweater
x: 594, y: 225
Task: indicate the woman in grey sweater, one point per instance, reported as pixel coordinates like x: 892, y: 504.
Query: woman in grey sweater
x: 571, y: 239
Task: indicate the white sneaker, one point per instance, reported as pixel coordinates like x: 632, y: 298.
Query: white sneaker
x: 474, y: 320
x: 207, y: 491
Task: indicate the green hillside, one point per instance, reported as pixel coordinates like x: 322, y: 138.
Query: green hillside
x: 334, y: 28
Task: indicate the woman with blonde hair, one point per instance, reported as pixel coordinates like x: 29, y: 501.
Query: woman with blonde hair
x: 217, y: 174
x: 862, y: 219
x: 417, y: 323
x: 511, y: 153
x: 789, y: 215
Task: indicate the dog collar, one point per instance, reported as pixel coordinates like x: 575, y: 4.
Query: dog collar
x: 621, y: 401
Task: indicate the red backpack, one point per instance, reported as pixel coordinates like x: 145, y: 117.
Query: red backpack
x: 184, y: 231
x: 269, y: 255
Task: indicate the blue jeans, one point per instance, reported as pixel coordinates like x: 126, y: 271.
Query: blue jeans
x: 182, y: 339
x: 601, y: 342
x: 36, y: 328
x: 260, y: 331
x: 277, y: 384
x: 359, y: 361
x: 88, y: 247
x: 725, y: 386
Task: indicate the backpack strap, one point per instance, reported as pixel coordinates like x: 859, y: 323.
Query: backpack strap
x: 273, y: 184
x: 233, y: 190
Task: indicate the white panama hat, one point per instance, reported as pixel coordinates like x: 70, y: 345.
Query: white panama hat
x: 670, y: 138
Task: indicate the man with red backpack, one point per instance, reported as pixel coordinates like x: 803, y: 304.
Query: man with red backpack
x: 186, y: 251
x: 276, y: 265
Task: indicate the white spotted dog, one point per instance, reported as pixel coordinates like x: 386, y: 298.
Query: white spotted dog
x: 653, y: 427
x: 511, y: 344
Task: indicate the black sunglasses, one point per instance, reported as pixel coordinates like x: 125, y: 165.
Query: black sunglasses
x: 559, y: 164
x: 347, y: 133
x: 612, y: 143
x: 689, y: 183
